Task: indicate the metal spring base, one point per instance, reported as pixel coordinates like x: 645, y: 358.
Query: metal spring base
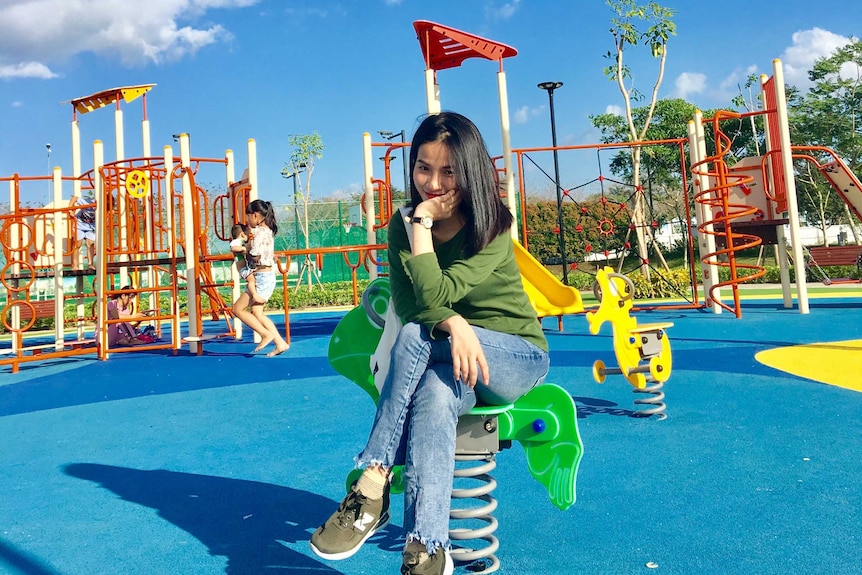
x: 655, y: 400
x: 489, y: 562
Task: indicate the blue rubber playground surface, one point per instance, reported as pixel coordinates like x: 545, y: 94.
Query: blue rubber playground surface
x: 224, y: 463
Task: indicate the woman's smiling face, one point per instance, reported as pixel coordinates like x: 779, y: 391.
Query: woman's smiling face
x: 432, y: 172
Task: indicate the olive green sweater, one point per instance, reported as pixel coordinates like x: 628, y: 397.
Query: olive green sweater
x: 486, y: 289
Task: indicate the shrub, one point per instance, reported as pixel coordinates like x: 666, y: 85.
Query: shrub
x: 662, y: 284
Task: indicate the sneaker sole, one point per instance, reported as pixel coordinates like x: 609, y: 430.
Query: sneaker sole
x: 383, y: 522
x: 449, y: 567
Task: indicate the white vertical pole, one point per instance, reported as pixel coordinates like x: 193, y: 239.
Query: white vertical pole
x: 149, y: 236
x: 706, y: 240
x: 254, y: 193
x: 59, y: 237
x: 120, y: 151
x: 511, y: 199
x: 790, y: 182
x: 76, y: 159
x: 149, y: 243
x: 172, y: 242
x: 229, y: 169
x: 118, y: 133
x: 370, y: 235
x: 236, y: 289
x: 432, y: 92
x: 15, y: 246
x: 76, y: 193
x: 145, y: 136
x: 169, y: 198
x: 101, y: 248
x: 191, y: 246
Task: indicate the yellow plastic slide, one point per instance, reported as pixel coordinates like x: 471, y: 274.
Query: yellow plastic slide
x: 549, y: 296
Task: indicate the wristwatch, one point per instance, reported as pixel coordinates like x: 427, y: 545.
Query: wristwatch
x: 426, y: 221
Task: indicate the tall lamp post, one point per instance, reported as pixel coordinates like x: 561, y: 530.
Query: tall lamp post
x: 292, y: 175
x: 50, y: 174
x: 550, y: 87
x: 389, y: 136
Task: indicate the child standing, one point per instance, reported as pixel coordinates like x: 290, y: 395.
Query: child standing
x: 261, y: 218
x: 245, y: 263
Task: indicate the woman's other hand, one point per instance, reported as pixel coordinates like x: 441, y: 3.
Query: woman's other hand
x: 468, y: 359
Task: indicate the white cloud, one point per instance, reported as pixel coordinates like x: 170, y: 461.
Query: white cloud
x: 17, y: 104
x: 730, y: 86
x: 26, y: 70
x: 808, y: 46
x: 392, y: 2
x: 502, y: 11
x: 689, y: 83
x: 614, y: 109
x: 36, y: 32
x: 525, y: 113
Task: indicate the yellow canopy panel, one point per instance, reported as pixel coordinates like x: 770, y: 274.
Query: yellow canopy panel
x: 105, y: 97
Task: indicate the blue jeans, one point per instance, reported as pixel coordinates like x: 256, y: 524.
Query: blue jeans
x: 418, y: 411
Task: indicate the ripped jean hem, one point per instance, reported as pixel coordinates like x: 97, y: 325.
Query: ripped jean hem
x: 431, y: 545
x: 360, y: 462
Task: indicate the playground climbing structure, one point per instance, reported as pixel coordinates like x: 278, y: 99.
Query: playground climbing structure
x: 749, y: 202
x: 152, y: 225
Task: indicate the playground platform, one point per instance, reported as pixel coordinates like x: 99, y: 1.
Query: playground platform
x: 224, y: 463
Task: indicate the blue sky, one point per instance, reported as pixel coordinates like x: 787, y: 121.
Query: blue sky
x: 230, y: 70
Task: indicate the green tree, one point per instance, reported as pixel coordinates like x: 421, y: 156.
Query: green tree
x: 749, y: 102
x: 830, y: 115
x: 662, y: 163
x: 306, y: 149
x: 625, y: 31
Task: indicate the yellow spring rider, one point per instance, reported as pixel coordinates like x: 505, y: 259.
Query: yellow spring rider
x: 642, y: 351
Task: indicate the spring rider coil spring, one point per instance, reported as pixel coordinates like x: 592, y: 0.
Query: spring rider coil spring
x: 476, y: 444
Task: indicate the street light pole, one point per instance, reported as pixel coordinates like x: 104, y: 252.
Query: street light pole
x: 550, y: 87
x: 389, y: 135
x: 50, y: 174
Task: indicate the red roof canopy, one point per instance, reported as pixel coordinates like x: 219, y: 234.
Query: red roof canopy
x: 100, y: 99
x: 444, y: 47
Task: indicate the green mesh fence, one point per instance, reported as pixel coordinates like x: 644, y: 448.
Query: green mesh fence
x: 330, y: 224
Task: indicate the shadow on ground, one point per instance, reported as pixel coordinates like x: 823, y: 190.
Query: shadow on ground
x: 252, y: 524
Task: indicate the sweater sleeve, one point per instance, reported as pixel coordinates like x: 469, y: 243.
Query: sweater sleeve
x: 424, y: 292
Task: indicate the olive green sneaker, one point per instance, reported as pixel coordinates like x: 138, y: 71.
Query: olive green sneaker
x: 438, y: 564
x: 357, y: 519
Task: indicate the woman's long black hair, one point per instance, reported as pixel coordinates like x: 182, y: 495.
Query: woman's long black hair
x: 485, y: 214
x: 263, y: 208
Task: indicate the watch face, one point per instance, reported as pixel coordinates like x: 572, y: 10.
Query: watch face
x: 426, y: 221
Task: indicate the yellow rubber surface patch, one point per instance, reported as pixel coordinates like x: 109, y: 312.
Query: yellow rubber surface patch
x: 833, y: 363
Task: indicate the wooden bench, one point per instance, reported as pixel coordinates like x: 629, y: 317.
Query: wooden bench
x: 836, y: 255
x: 42, y: 308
